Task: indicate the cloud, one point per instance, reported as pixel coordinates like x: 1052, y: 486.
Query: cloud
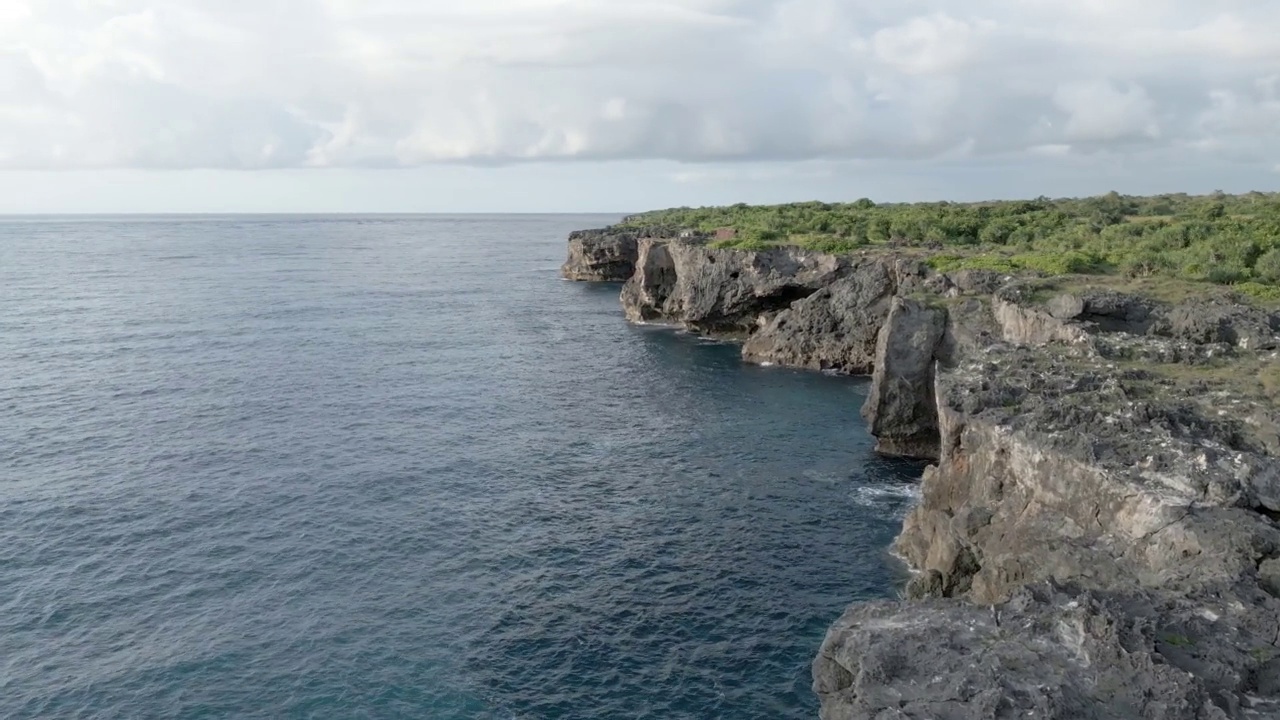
x: 1100, y: 112
x: 249, y: 84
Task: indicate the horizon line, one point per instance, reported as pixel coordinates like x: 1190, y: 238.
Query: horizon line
x: 216, y: 213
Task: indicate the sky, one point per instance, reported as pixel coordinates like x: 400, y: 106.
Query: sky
x: 625, y: 105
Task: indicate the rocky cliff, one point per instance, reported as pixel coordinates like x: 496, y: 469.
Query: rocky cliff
x: 1098, y: 536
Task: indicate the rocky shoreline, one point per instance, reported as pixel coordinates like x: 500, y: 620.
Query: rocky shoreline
x: 1098, y: 536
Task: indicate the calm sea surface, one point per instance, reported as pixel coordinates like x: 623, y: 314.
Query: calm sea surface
x: 385, y: 467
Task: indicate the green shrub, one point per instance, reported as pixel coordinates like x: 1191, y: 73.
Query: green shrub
x: 1144, y: 264
x: 1066, y: 263
x: 1267, y: 267
x: 945, y: 263
x: 746, y: 243
x: 833, y: 245
x: 992, y: 262
x: 1258, y: 290
x: 1226, y: 275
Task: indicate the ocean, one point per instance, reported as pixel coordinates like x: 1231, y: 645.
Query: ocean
x: 394, y: 467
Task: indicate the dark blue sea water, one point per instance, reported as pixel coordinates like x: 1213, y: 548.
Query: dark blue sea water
x: 394, y: 467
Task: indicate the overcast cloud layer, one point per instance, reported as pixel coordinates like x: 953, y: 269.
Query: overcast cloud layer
x: 245, y: 84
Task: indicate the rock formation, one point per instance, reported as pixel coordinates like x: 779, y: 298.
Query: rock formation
x: 901, y: 408
x: 1051, y: 653
x: 836, y: 328
x: 1123, y: 529
x: 600, y: 256
x: 726, y: 293
x: 1098, y: 537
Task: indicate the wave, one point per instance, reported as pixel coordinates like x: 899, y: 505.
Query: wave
x: 886, y: 495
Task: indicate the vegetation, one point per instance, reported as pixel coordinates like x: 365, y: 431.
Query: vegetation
x: 1217, y: 238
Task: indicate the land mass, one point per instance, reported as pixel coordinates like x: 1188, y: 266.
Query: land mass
x: 1098, y: 534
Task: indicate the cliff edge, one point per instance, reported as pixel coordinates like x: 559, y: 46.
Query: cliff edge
x: 1098, y: 536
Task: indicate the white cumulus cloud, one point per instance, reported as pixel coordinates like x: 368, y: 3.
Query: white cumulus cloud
x: 248, y: 84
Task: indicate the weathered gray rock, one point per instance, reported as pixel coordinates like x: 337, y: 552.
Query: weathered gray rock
x: 1050, y: 472
x: 1238, y: 325
x: 833, y: 329
x: 601, y: 255
x: 724, y: 293
x: 1066, y: 307
x: 1051, y: 653
x: 1024, y: 325
x: 1077, y: 317
x: 1269, y: 575
x: 1055, y: 466
x: 900, y: 407
x: 977, y: 282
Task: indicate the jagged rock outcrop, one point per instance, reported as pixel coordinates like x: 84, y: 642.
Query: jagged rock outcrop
x: 726, y: 293
x: 1151, y: 508
x: 600, y: 256
x: 609, y: 254
x: 1053, y: 471
x: 1054, y: 653
x: 1097, y: 318
x: 900, y: 409
x: 837, y: 327
x: 790, y: 306
x: 1247, y: 328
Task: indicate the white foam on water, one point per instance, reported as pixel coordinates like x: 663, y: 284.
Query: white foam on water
x: 884, y: 495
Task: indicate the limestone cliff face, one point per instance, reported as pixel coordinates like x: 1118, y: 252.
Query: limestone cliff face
x: 901, y: 409
x: 601, y: 255
x: 837, y: 327
x: 1050, y: 471
x: 789, y: 306
x: 1098, y: 537
x: 1120, y: 531
x: 1052, y: 653
x: 727, y: 293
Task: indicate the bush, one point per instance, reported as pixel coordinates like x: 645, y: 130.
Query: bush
x: 1067, y: 263
x: 1259, y: 290
x: 992, y: 262
x: 746, y: 243
x: 1226, y: 275
x: 1144, y: 264
x: 1267, y: 267
x: 832, y: 245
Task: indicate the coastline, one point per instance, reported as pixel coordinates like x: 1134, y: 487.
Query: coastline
x: 1097, y: 534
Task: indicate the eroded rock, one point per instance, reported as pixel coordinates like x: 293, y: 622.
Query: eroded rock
x: 900, y: 409
x: 1051, y: 653
x: 833, y: 329
x: 601, y: 255
x: 725, y: 293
